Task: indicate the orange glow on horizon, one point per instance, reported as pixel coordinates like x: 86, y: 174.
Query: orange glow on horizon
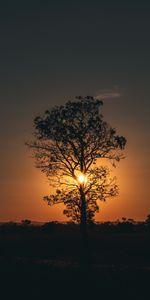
x: 24, y: 197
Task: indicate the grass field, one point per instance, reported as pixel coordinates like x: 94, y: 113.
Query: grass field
x: 45, y: 263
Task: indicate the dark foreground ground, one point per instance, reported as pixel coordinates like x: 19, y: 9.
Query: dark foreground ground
x: 45, y: 263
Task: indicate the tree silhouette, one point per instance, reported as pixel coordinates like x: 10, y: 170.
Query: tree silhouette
x: 147, y: 221
x: 26, y: 222
x: 69, y: 142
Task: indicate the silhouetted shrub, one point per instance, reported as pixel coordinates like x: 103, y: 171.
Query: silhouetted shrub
x: 49, y: 227
x: 26, y: 222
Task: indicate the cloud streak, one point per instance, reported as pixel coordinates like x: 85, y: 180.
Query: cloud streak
x: 108, y: 95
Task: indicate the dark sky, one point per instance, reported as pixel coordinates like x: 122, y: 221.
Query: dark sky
x: 51, y: 51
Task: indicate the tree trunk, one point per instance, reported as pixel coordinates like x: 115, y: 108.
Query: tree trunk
x: 83, y: 219
x: 84, y: 260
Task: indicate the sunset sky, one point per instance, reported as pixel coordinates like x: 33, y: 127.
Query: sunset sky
x: 51, y: 51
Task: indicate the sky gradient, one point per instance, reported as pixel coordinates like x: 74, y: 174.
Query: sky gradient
x: 52, y: 51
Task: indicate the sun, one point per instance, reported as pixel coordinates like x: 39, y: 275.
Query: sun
x: 82, y: 179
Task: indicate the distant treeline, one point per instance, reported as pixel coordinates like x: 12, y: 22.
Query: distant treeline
x: 123, y: 225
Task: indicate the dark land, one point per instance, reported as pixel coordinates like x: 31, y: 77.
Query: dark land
x: 45, y: 261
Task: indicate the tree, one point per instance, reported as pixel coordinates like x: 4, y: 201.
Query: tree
x: 69, y: 142
x: 147, y: 221
x: 26, y: 222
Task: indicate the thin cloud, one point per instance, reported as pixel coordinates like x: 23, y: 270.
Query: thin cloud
x: 107, y: 95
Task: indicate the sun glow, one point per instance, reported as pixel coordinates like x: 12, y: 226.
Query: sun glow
x: 82, y: 179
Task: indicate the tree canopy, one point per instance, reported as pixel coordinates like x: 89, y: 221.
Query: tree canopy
x: 70, y: 141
